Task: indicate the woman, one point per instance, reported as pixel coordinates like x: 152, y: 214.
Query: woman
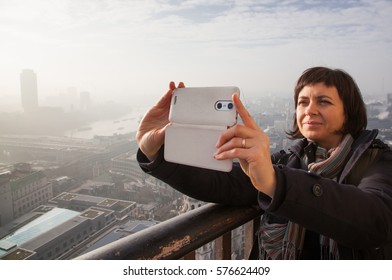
x: 329, y: 197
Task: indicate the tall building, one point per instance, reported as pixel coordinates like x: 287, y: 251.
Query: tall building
x: 28, y: 89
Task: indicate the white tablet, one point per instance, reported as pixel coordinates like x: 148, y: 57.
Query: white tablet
x: 197, y: 117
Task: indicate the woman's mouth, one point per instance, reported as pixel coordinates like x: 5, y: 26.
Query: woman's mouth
x: 312, y: 123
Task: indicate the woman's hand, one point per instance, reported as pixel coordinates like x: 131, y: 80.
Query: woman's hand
x: 151, y: 131
x: 250, y: 145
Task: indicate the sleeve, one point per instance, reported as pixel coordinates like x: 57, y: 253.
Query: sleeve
x: 232, y: 188
x: 355, y: 216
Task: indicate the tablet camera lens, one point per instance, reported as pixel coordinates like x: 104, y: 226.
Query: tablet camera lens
x: 219, y: 105
x: 230, y: 106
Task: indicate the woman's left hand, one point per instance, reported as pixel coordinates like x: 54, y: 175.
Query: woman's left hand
x: 250, y: 145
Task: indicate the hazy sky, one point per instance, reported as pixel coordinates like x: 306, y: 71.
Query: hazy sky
x: 130, y: 50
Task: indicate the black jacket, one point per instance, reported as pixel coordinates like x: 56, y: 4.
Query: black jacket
x: 356, y: 211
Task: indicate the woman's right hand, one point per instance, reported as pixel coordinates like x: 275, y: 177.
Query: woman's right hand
x: 151, y: 131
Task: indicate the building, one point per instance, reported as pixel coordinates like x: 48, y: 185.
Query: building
x: 64, y: 226
x: 61, y: 156
x: 82, y: 202
x: 118, y: 232
x: 127, y: 165
x: 6, y: 209
x: 29, y: 90
x: 56, y: 150
x: 50, y: 232
x: 145, y: 211
x: 22, y: 189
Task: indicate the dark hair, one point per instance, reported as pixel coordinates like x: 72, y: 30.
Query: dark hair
x: 349, y: 93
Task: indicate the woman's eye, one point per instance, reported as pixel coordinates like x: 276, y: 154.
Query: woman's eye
x: 302, y: 103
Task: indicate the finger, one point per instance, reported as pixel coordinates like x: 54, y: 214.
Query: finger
x: 244, y: 114
x: 235, y: 143
x: 172, y: 85
x: 166, y: 98
x: 235, y: 148
x: 238, y: 130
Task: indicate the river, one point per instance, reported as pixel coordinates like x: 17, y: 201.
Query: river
x: 122, y: 125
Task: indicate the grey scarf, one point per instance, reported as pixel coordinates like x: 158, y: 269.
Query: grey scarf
x: 285, y: 241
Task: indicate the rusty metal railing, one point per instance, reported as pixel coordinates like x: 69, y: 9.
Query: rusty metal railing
x: 180, y: 236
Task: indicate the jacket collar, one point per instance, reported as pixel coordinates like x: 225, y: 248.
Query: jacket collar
x: 298, y: 147
x: 362, y: 142
x: 360, y: 145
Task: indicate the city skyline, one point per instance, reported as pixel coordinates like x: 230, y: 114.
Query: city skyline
x: 130, y: 50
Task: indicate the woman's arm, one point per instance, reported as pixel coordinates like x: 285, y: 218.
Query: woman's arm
x: 232, y: 188
x: 355, y: 216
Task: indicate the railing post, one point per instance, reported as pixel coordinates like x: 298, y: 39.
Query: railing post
x: 223, y: 247
x: 226, y: 238
x: 190, y: 256
x: 249, y: 237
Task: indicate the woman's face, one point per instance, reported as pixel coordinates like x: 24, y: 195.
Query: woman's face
x: 320, y: 115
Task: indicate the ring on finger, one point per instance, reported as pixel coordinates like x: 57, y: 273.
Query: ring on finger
x: 243, y: 143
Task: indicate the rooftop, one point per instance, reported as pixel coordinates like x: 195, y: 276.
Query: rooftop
x: 37, y: 227
x: 113, y: 204
x: 119, y: 232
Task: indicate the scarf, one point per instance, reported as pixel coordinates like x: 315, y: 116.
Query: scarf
x: 285, y: 241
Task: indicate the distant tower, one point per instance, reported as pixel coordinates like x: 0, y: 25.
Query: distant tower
x: 85, y: 101
x: 28, y: 90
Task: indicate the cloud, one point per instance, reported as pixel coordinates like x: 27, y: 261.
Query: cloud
x: 119, y: 45
x: 257, y: 22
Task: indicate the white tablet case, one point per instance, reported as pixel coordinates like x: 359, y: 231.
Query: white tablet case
x: 196, y: 124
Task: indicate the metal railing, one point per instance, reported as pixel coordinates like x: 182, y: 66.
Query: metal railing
x: 180, y: 236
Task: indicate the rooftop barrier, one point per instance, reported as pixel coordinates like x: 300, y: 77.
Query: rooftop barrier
x: 179, y: 237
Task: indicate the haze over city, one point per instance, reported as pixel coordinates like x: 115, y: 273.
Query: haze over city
x: 128, y: 51
x: 76, y: 77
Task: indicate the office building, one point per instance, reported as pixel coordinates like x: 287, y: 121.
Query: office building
x: 22, y: 189
x: 6, y: 209
x: 29, y: 90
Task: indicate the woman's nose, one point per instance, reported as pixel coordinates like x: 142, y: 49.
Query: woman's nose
x: 311, y: 109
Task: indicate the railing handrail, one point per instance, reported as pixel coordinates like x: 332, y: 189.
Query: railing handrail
x: 178, y: 236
